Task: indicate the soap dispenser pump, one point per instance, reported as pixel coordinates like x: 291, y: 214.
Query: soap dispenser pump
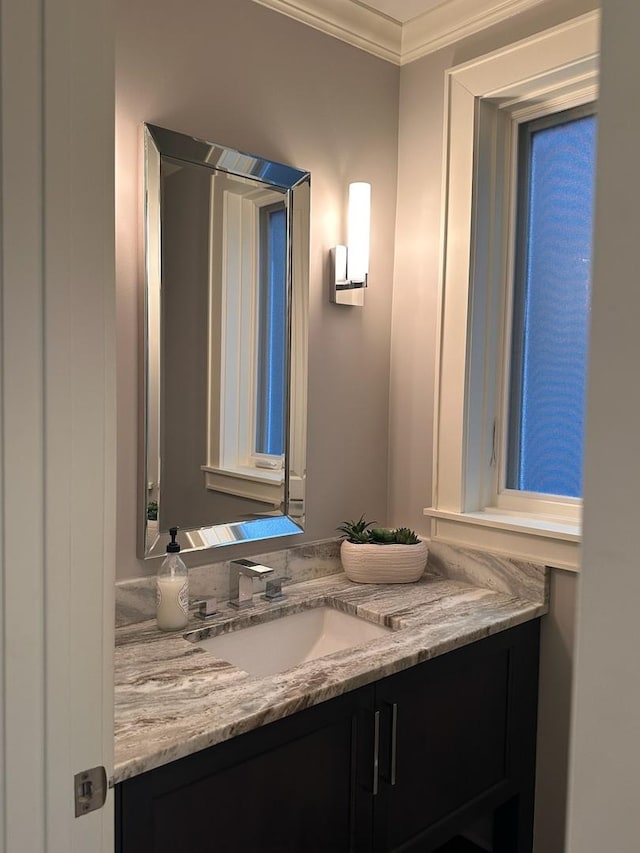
x: 172, y: 591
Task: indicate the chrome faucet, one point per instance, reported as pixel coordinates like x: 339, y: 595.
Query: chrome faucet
x: 241, y: 581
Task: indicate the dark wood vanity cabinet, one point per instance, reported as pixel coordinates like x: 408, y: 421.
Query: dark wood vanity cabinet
x: 457, y: 742
x: 405, y: 764
x: 287, y: 787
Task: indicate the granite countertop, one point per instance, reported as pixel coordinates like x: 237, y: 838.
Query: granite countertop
x: 173, y: 698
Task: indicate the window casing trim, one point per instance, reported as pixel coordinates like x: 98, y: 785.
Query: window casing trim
x: 486, y: 99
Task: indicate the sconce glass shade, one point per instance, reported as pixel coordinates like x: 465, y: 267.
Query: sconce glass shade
x: 358, y: 233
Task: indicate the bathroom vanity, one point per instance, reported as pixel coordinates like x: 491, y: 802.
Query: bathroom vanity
x: 400, y: 744
x: 395, y: 740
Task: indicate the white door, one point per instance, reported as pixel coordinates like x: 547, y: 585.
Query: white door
x: 57, y: 420
x: 605, y: 756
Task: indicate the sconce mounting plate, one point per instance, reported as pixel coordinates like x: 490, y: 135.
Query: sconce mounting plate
x: 343, y: 291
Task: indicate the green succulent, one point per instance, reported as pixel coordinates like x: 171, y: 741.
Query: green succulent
x: 356, y: 531
x: 383, y: 536
x: 404, y: 536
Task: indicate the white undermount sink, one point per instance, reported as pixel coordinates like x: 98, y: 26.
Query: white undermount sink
x: 283, y: 643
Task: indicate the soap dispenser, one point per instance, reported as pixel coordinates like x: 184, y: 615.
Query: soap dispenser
x: 172, y: 611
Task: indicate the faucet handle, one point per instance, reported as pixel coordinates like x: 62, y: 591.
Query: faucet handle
x: 205, y: 607
x: 273, y: 590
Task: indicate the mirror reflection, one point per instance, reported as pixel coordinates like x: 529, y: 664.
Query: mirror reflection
x: 225, y: 402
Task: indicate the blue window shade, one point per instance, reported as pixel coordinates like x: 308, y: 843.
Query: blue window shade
x: 551, y: 310
x: 272, y: 331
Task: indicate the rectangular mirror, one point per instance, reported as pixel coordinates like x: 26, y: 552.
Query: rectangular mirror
x: 225, y: 374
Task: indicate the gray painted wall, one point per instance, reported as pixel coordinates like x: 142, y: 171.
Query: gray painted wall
x: 247, y: 77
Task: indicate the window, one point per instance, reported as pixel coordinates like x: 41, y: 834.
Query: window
x: 551, y: 304
x: 501, y: 385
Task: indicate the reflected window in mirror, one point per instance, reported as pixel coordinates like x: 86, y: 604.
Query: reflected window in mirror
x: 272, y: 318
x: 247, y: 358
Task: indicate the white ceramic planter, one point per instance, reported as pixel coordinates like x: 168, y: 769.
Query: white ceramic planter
x: 384, y: 563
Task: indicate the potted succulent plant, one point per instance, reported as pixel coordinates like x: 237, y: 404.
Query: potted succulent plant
x: 381, y: 555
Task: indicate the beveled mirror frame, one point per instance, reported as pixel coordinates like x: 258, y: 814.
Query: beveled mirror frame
x: 294, y: 184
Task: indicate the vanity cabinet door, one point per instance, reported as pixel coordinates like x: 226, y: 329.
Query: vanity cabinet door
x: 457, y: 740
x: 299, y: 784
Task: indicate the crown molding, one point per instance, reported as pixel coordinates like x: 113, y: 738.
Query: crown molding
x: 454, y: 20
x: 388, y: 39
x: 349, y: 22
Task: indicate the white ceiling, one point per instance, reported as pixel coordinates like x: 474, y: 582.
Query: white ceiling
x: 399, y: 31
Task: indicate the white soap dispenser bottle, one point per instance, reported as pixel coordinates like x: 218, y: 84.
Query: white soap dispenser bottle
x: 172, y: 612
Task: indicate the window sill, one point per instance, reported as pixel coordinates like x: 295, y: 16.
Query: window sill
x: 551, y: 541
x: 257, y: 484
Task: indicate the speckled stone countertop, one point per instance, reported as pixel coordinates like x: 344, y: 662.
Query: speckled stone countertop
x: 174, y: 698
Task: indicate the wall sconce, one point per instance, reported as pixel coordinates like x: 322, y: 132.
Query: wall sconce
x: 350, y: 263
